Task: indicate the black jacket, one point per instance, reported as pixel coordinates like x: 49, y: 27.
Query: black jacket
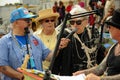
x: 69, y: 60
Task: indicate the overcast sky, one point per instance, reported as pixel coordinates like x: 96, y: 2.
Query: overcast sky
x: 3, y: 2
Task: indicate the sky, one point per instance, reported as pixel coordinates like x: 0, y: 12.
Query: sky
x: 3, y: 2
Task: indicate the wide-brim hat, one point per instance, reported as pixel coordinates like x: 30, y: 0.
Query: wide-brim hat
x: 46, y: 13
x: 115, y: 19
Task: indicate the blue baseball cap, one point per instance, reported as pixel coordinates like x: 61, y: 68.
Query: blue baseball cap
x: 20, y: 13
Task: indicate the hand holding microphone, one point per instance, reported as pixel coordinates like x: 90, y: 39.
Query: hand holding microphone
x: 64, y: 41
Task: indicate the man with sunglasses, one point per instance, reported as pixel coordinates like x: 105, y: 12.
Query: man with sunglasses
x: 20, y: 42
x: 82, y: 51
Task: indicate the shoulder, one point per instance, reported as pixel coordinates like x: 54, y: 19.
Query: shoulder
x: 34, y: 37
x: 6, y: 37
x: 38, y: 31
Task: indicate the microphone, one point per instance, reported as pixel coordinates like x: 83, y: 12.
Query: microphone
x: 71, y: 33
x: 26, y: 30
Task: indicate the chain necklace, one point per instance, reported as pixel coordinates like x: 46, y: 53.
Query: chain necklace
x: 81, y: 58
x: 91, y: 56
x: 23, y: 48
x: 28, y: 51
x: 49, y: 40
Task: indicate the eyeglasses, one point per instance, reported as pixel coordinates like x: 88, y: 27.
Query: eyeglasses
x: 49, y: 21
x: 78, y: 22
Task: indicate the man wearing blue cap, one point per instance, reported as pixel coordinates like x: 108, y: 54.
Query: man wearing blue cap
x: 18, y: 43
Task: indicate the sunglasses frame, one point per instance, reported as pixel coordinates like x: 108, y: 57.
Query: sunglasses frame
x: 48, y: 20
x: 78, y: 22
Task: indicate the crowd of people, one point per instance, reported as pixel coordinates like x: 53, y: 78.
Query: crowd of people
x: 80, y: 53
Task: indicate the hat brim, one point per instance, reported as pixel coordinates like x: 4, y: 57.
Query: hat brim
x: 41, y: 17
x: 29, y: 16
x: 110, y: 22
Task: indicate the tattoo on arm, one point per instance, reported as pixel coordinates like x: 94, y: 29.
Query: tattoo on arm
x: 98, y: 70
x: 115, y: 77
x: 4, y: 68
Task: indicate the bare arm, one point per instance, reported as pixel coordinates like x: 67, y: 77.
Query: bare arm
x: 95, y: 73
x: 98, y: 70
x: 11, y: 72
x: 115, y: 77
x: 92, y: 76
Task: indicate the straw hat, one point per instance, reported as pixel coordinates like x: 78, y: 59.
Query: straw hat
x: 46, y: 14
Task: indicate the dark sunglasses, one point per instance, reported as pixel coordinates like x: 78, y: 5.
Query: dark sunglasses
x: 78, y: 22
x: 49, y: 21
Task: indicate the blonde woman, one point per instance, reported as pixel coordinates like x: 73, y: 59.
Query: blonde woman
x: 46, y: 29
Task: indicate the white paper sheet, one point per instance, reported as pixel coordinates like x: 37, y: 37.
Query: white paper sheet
x: 78, y: 77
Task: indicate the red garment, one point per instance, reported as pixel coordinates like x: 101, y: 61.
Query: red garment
x: 91, y: 20
x: 69, y: 7
x: 103, y: 2
x: 82, y: 4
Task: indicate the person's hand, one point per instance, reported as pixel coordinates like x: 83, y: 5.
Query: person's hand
x: 92, y: 76
x: 20, y: 76
x: 78, y: 72
x: 64, y: 42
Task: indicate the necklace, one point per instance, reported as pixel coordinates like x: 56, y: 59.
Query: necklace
x: 49, y: 40
x: 91, y: 57
x: 78, y: 52
x: 21, y: 46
